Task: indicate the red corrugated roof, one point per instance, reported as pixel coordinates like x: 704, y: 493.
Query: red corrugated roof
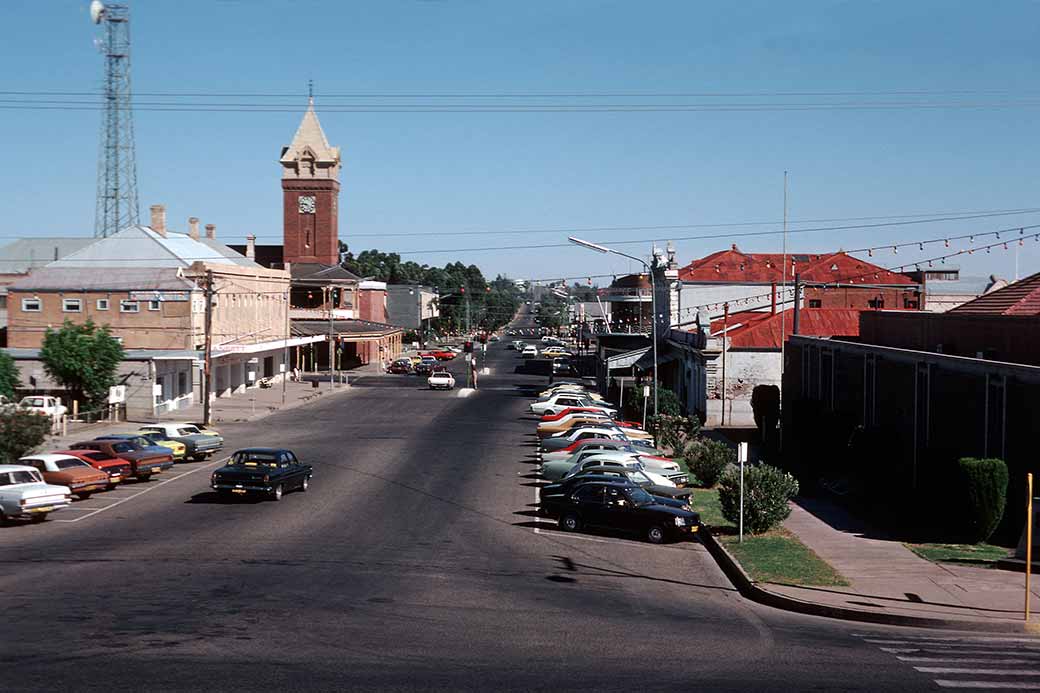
x: 761, y: 330
x: 735, y: 267
x: 1017, y: 298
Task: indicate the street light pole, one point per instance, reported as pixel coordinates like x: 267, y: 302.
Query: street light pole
x: 653, y: 298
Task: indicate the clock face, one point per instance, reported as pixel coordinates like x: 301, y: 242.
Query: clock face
x: 306, y: 204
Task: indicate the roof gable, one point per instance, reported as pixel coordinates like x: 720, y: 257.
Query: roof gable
x: 765, y: 332
x: 736, y: 267
x: 1017, y: 298
x: 310, y: 141
x: 140, y: 246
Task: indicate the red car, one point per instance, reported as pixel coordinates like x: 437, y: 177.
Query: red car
x: 117, y: 469
x: 441, y: 355
x: 576, y: 410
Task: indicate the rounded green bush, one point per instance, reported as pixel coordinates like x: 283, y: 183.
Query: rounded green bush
x: 707, y: 459
x: 985, y: 487
x: 766, y: 492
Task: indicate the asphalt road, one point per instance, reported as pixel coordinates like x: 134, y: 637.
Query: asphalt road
x: 412, y: 563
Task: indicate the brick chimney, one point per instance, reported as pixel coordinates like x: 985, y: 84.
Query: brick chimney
x: 193, y: 227
x: 211, y: 231
x: 251, y: 247
x: 159, y: 219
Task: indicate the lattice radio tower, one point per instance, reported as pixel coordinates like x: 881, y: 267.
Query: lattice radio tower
x: 117, y: 166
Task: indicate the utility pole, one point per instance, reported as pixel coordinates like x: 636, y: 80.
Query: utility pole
x: 207, y: 384
x: 285, y: 354
x: 332, y: 342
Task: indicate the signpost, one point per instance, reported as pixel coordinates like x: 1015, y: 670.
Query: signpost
x: 646, y: 399
x: 1029, y: 537
x: 742, y: 455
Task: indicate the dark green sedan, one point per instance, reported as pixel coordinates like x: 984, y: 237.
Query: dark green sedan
x: 268, y: 471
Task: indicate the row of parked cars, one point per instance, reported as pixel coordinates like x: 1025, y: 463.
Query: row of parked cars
x: 46, y: 482
x: 606, y: 473
x: 437, y: 376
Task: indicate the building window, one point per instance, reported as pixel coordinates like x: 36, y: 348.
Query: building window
x: 815, y: 303
x: 154, y: 304
x: 71, y: 305
x: 32, y: 305
x: 126, y: 306
x: 102, y: 304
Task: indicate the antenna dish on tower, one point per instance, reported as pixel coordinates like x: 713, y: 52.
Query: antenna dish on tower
x: 97, y: 11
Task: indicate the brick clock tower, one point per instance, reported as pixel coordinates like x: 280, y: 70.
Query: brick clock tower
x: 310, y: 195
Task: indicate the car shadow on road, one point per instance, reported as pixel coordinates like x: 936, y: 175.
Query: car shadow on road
x: 214, y: 498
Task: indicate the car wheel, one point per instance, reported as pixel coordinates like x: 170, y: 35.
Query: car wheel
x: 144, y: 478
x: 306, y: 484
x: 570, y: 522
x: 198, y: 458
x: 83, y: 496
x: 276, y: 494
x: 655, y: 535
x: 38, y: 518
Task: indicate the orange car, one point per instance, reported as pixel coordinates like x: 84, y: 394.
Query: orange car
x: 63, y: 470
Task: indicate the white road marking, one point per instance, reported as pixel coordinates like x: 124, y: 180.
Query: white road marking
x: 1007, y: 659
x: 935, y: 640
x: 979, y: 642
x: 466, y: 391
x: 537, y: 530
x: 1014, y: 685
x: 1032, y: 652
x: 151, y: 487
x: 983, y: 672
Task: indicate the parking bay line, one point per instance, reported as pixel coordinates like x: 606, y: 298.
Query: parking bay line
x: 151, y: 487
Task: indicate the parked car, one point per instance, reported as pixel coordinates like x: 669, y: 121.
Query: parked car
x: 562, y: 400
x: 204, y: 429
x: 199, y: 445
x: 551, y: 428
x: 676, y: 497
x: 116, y: 469
x: 401, y: 367
x: 663, y: 466
x: 143, y: 463
x: 64, y: 470
x: 424, y: 368
x: 159, y: 439
x: 530, y: 351
x: 585, y: 432
x: 599, y: 444
x: 623, y: 507
x: 44, y: 404
x: 142, y: 443
x: 268, y: 471
x: 441, y: 380
x: 24, y: 495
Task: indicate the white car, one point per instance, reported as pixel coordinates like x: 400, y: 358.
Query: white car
x: 441, y: 380
x: 565, y: 400
x: 44, y: 404
x: 25, y: 495
x: 530, y: 351
x: 651, y: 465
x: 633, y: 464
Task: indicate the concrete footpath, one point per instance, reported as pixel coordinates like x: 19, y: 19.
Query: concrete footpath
x: 891, y: 584
x: 250, y: 405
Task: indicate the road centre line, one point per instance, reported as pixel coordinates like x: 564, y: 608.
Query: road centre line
x: 151, y: 487
x: 1013, y: 685
x: 936, y: 640
x: 983, y: 672
x: 1007, y: 659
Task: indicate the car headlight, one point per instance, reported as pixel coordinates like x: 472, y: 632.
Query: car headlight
x: 680, y: 522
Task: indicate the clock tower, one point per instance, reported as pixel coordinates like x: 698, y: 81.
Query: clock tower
x: 310, y: 195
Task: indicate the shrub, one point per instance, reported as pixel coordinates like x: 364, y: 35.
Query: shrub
x: 707, y: 459
x: 21, y: 431
x: 667, y: 402
x: 985, y: 487
x: 766, y: 492
x: 674, y: 432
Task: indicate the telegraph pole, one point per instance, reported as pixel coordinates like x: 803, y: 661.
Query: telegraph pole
x: 285, y: 354
x: 332, y: 344
x: 208, y: 363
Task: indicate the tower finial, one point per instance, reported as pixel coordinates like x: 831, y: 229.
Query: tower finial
x: 310, y: 92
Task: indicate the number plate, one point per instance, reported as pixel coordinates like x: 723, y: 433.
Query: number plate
x: 45, y: 509
x: 238, y: 490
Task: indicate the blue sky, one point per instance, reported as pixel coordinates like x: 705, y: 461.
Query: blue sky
x: 439, y: 173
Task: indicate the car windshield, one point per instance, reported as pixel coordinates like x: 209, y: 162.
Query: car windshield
x: 255, y: 459
x: 70, y: 463
x: 123, y: 447
x: 34, y: 402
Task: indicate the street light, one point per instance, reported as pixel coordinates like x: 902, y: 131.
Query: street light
x: 653, y: 297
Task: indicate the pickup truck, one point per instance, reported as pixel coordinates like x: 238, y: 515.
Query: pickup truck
x: 143, y: 463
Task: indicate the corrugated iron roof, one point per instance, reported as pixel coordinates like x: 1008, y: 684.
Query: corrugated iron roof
x: 22, y: 255
x: 763, y: 330
x: 735, y: 267
x: 1017, y: 298
x: 120, y: 279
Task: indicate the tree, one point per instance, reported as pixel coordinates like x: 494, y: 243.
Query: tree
x: 8, y: 375
x: 83, y: 359
x: 21, y: 431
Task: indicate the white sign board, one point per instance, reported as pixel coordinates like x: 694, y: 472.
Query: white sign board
x: 157, y: 390
x: 117, y: 394
x: 646, y: 391
x: 160, y: 295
